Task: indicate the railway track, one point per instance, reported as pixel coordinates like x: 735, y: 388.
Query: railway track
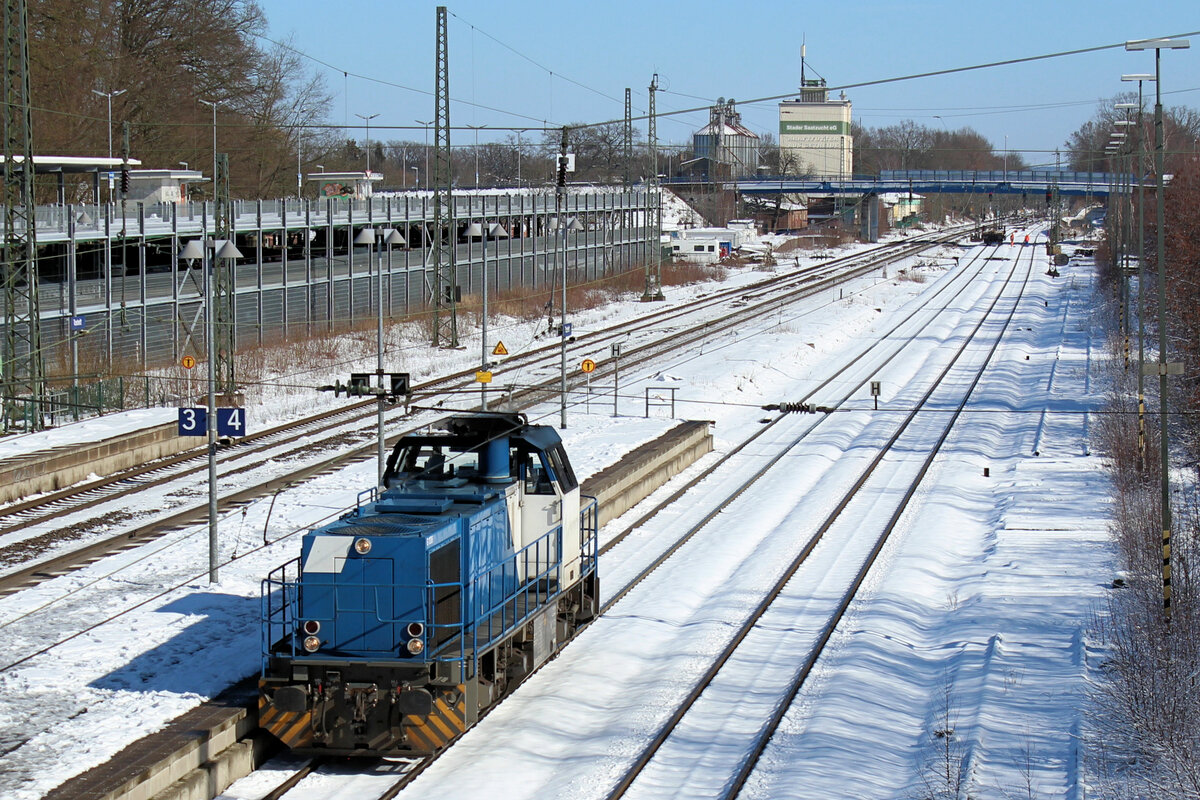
x: 350, y: 430
x: 863, y: 552
x: 369, y: 449
x: 881, y: 351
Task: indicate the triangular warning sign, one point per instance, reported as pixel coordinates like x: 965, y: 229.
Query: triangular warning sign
x: 500, y: 349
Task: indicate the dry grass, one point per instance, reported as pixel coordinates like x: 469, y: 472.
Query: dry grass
x: 1146, y: 710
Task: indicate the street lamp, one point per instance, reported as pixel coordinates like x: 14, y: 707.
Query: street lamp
x: 1141, y: 240
x: 482, y: 230
x: 564, y: 226
x: 476, y: 129
x: 214, y: 104
x: 109, y: 96
x: 388, y: 236
x: 368, y: 118
x: 196, y: 249
x: 1158, y: 45
x: 425, y: 125
x: 519, y: 132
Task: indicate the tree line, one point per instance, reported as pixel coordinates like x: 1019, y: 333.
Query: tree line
x: 1147, y: 703
x: 159, y: 62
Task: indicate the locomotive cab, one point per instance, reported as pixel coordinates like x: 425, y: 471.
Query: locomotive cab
x: 400, y: 621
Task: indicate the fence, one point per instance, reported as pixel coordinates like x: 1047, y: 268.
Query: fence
x: 112, y: 289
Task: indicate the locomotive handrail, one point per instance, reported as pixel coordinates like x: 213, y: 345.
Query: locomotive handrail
x: 492, y: 603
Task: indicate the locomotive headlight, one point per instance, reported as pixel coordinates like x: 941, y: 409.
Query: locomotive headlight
x: 362, y: 546
x: 312, y: 643
x: 415, y: 629
x: 312, y: 627
x: 415, y: 646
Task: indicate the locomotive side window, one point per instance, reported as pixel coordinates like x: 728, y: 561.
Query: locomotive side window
x: 537, y: 477
x: 562, y: 468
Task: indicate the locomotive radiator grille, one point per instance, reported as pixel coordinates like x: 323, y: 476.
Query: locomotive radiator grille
x: 445, y: 722
x: 292, y: 728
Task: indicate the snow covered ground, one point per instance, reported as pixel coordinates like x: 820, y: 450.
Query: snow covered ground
x: 974, y: 625
x: 980, y: 612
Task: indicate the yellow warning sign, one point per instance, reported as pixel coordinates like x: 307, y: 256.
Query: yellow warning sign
x: 188, y: 362
x: 499, y: 349
x: 588, y: 365
x: 483, y: 376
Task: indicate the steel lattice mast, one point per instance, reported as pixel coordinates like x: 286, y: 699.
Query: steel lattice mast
x: 653, y: 290
x: 445, y: 297
x: 223, y: 282
x: 23, y: 369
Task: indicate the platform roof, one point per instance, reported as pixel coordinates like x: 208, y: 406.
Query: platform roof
x: 75, y: 164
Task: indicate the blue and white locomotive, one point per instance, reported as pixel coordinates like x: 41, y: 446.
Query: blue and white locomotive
x: 403, y: 620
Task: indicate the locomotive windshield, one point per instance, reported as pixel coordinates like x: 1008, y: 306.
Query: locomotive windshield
x: 435, y: 462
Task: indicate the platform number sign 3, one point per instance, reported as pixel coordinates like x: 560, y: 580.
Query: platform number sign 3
x: 231, y: 422
x: 193, y: 422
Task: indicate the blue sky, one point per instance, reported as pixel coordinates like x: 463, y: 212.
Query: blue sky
x: 703, y: 50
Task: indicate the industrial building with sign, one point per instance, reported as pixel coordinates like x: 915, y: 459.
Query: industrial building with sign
x: 814, y: 133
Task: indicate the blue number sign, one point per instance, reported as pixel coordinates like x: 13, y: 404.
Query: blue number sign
x: 193, y: 422
x: 231, y: 422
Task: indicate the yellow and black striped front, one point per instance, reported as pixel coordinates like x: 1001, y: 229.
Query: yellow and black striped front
x: 292, y: 728
x: 448, y: 719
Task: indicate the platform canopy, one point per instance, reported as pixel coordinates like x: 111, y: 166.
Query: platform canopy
x: 61, y: 166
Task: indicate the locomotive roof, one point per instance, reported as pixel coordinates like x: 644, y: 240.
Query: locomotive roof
x: 471, y: 429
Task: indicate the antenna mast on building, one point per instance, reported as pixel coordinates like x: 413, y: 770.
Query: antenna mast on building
x: 24, y: 369
x: 445, y: 298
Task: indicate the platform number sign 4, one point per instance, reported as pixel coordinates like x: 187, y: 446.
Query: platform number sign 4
x: 193, y: 422
x: 231, y: 422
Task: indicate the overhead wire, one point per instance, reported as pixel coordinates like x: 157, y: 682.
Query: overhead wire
x: 927, y: 74
x: 392, y: 84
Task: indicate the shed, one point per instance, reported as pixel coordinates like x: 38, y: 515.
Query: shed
x: 353, y: 185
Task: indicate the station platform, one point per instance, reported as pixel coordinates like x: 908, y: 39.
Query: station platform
x: 51, y: 460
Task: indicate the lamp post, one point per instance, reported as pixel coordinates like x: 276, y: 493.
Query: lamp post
x: 425, y: 125
x: 109, y: 96
x: 1141, y: 255
x: 519, y: 132
x: 482, y: 230
x: 565, y: 226
x: 389, y: 237
x: 299, y: 173
x: 1126, y: 229
x: 368, y: 118
x: 476, y: 129
x: 1158, y: 45
x: 193, y: 250
x: 1116, y: 220
x: 214, y: 104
